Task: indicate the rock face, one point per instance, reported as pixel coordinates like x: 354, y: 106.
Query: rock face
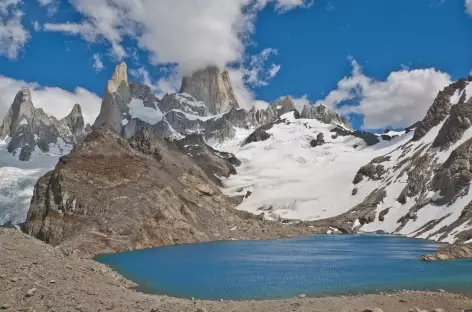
x: 112, y: 194
x: 116, y: 97
x: 260, y: 134
x: 283, y: 105
x: 206, y: 105
x: 28, y: 127
x: 460, y: 119
x: 324, y: 114
x: 430, y: 172
x: 212, y: 87
x: 436, y: 113
x: 318, y: 141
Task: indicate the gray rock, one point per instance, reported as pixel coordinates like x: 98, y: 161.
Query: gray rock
x: 383, y: 213
x: 31, y: 292
x: 324, y: 114
x: 318, y: 141
x: 212, y: 87
x: 258, y: 135
x: 283, y: 106
x: 373, y: 310
x: 116, y: 97
x: 183, y: 102
x: 436, y: 113
x: 29, y: 127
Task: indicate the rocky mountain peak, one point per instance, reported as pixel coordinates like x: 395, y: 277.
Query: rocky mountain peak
x: 284, y: 105
x: 75, y: 122
x: 116, y: 97
x: 21, y: 111
x: 213, y: 87
x: 325, y: 115
x: 28, y: 127
x: 120, y: 76
x: 441, y: 108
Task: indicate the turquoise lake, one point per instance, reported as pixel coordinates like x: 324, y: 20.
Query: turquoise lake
x: 316, y: 266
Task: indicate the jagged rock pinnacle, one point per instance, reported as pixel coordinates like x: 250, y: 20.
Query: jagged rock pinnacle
x: 116, y: 97
x: 120, y: 75
x: 212, y: 87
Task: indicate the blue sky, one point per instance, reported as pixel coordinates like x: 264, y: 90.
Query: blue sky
x: 380, y: 62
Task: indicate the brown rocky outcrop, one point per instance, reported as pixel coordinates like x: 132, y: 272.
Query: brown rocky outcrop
x: 112, y: 194
x: 455, y: 251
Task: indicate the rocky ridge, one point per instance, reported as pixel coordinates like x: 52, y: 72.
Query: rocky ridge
x: 111, y: 194
x: 206, y: 105
x: 27, y: 128
x: 427, y: 180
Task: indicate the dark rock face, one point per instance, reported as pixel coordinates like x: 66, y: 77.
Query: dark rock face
x: 258, y: 135
x: 318, y: 141
x: 29, y: 127
x: 455, y: 126
x: 412, y: 127
x: 455, y: 175
x: 369, y: 138
x: 365, y: 213
x: 372, y: 171
x: 383, y: 213
x: 436, y: 113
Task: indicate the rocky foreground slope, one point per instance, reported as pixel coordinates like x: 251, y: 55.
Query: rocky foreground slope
x: 37, y: 277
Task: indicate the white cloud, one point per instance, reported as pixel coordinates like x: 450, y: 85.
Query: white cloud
x: 97, y: 62
x: 45, y: 2
x: 257, y: 74
x: 55, y: 101
x: 213, y: 30
x: 36, y: 26
x: 52, y: 6
x: 165, y: 85
x: 244, y: 95
x: 13, y: 35
x: 468, y: 7
x: 301, y: 102
x: 399, y: 101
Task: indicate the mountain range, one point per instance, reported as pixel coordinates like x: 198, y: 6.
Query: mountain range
x: 195, y: 166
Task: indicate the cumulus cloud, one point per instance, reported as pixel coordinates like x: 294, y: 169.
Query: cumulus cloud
x: 54, y: 101
x: 301, y: 102
x: 13, y: 34
x: 258, y: 74
x: 468, y: 7
x: 399, y: 101
x: 97, y: 62
x: 213, y: 30
x: 167, y: 84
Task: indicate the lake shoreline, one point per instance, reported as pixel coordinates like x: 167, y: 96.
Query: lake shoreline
x: 40, y: 277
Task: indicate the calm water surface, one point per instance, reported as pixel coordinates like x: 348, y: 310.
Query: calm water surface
x: 316, y: 266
